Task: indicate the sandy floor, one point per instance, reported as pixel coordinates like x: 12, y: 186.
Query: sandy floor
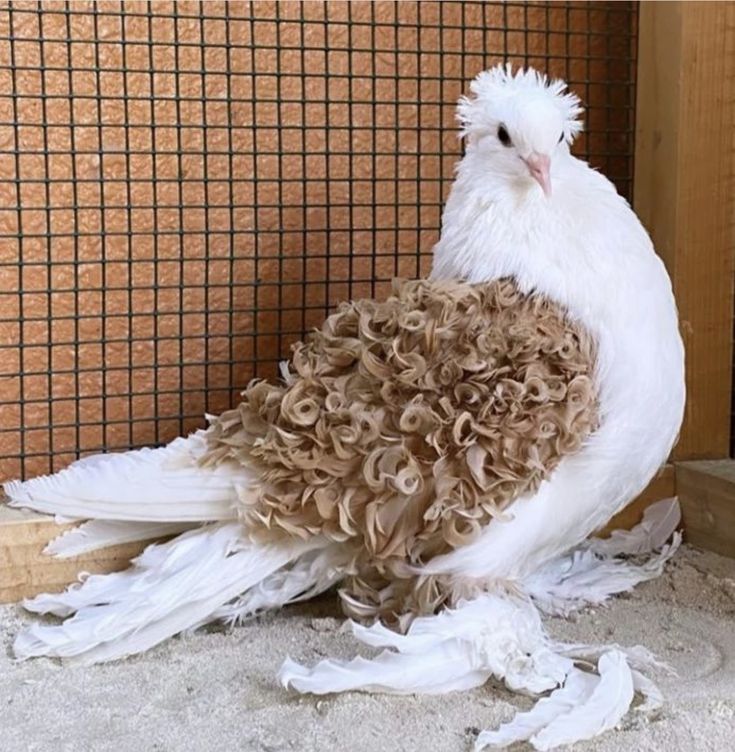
x: 216, y: 690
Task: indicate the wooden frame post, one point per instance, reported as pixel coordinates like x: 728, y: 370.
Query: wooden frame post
x: 683, y: 193
x: 684, y: 169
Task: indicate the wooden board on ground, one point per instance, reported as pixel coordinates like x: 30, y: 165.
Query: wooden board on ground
x: 707, y: 494
x: 25, y: 571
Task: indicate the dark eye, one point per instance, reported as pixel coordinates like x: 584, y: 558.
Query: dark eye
x: 503, y: 136
x: 561, y: 138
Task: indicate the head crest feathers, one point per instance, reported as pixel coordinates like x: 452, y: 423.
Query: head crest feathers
x: 493, y: 90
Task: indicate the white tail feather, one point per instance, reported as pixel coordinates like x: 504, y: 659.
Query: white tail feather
x: 171, y: 587
x: 582, y: 579
x: 659, y: 522
x: 102, y: 533
x: 312, y: 573
x: 161, y: 485
x: 591, y: 573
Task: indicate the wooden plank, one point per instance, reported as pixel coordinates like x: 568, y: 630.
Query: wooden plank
x: 25, y: 571
x: 684, y: 167
x: 661, y: 487
x: 707, y: 493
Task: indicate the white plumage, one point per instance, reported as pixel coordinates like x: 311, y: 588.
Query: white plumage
x: 172, y: 587
x: 145, y: 485
x: 521, y: 207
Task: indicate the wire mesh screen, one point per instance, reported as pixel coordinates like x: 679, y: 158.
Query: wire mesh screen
x: 186, y: 188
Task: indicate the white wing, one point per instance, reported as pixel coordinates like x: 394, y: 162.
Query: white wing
x: 152, y: 485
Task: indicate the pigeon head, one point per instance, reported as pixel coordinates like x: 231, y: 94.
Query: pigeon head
x: 515, y: 124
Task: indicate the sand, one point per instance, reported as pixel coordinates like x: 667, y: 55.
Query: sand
x: 215, y: 690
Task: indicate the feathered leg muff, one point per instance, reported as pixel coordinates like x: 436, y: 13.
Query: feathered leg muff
x: 501, y: 635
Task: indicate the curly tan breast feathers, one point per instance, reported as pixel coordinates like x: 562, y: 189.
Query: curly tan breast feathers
x: 405, y: 426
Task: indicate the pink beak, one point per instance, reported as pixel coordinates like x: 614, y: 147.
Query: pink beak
x: 538, y: 165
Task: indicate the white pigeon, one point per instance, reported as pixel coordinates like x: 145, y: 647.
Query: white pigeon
x: 524, y: 210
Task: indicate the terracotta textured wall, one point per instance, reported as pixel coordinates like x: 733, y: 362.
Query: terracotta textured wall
x: 184, y: 189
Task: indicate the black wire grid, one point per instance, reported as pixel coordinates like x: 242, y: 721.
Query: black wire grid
x: 186, y: 188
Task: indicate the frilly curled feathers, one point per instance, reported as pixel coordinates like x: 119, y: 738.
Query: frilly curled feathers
x: 405, y: 426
